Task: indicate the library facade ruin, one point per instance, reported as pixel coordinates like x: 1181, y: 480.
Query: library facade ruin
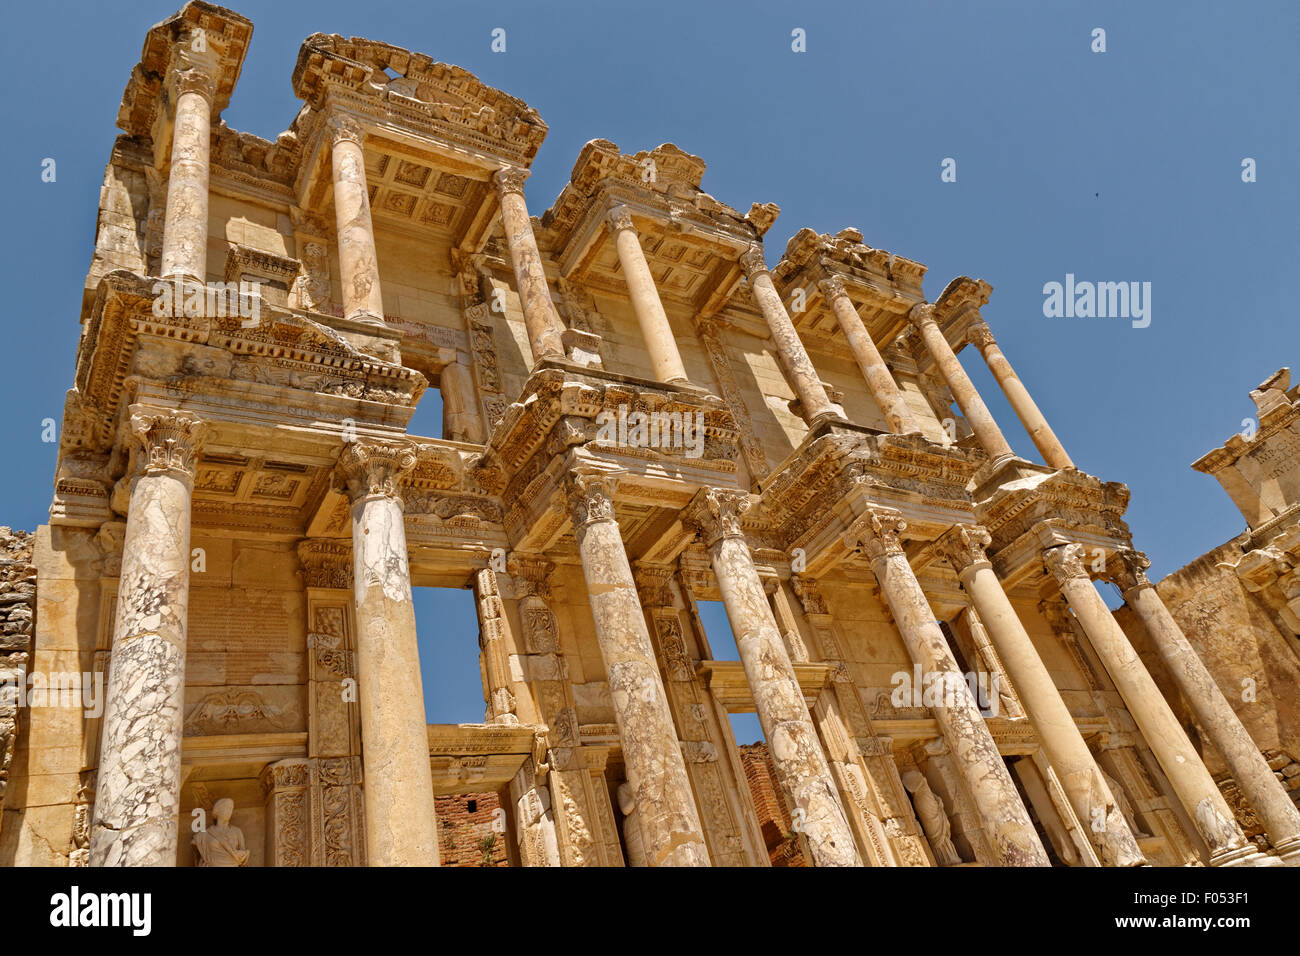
x: 643, y: 409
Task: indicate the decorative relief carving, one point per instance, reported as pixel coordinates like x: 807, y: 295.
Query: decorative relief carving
x: 169, y: 440
x: 374, y: 467
x: 326, y: 563
x: 962, y: 546
x: 232, y: 711
x: 590, y: 497
x: 877, y: 532
x: 1065, y: 562
x: 716, y: 513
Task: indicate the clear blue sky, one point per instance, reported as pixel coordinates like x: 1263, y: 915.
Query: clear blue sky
x: 1120, y: 166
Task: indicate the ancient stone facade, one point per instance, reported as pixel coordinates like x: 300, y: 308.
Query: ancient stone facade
x: 644, y: 408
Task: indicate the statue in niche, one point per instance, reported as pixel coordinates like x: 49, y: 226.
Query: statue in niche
x: 221, y: 844
x: 934, y: 818
x: 632, y: 838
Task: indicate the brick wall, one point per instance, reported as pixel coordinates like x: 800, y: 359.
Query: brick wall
x: 769, y: 802
x: 463, y: 832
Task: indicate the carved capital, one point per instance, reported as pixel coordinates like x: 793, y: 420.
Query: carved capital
x: 654, y: 585
x: 962, y: 546
x: 922, y: 315
x: 716, y: 513
x: 981, y: 336
x: 809, y: 594
x: 877, y: 532
x: 195, y: 80
x: 1065, y: 561
x: 169, y: 441
x: 619, y: 217
x: 530, y: 575
x: 326, y: 563
x: 590, y: 497
x: 832, y: 287
x: 373, y: 467
x: 752, y: 261
x: 1128, y: 569
x: 510, y: 179
x: 343, y: 128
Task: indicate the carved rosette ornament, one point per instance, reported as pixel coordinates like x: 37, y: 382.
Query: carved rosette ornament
x: 1065, y: 562
x: 510, y: 179
x: 373, y: 467
x: 1128, y: 567
x: 344, y: 129
x: 169, y: 441
x: 877, y: 533
x: 962, y: 546
x: 619, y: 218
x: 590, y: 497
x: 716, y: 513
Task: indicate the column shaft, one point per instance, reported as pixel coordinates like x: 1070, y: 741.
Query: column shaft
x: 884, y: 390
x: 817, y: 405
x: 670, y: 823
x: 1214, y: 714
x: 1006, y: 821
x: 1045, y: 440
x: 963, y: 389
x: 1192, y: 783
x: 1058, y: 734
x: 401, y: 827
x: 801, y: 765
x: 138, y: 798
x: 358, y: 264
x: 665, y: 360
x: 540, y: 318
x: 185, y: 222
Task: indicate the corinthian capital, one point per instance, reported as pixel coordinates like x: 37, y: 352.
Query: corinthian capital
x: 878, y: 532
x: 832, y: 287
x: 922, y: 314
x: 981, y: 336
x: 343, y: 128
x: 1128, y: 567
x: 510, y: 179
x: 195, y: 80
x: 619, y: 217
x: 590, y: 497
x: 752, y: 261
x: 1065, y: 561
x: 716, y: 513
x: 373, y: 467
x: 962, y: 546
x: 169, y: 440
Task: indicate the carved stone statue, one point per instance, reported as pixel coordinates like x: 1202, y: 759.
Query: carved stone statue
x: 221, y: 844
x: 934, y: 818
x: 632, y: 838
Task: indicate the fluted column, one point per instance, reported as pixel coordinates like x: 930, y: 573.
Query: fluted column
x: 399, y: 809
x: 1214, y: 714
x: 880, y: 381
x: 543, y: 323
x: 185, y: 222
x: 817, y: 405
x: 801, y: 766
x: 963, y: 389
x: 1045, y: 440
x: 138, y: 798
x: 1192, y: 783
x: 665, y: 360
x: 1085, y: 788
x: 670, y: 824
x: 358, y: 264
x: 1006, y: 821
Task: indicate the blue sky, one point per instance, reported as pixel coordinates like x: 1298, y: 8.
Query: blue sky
x: 1115, y: 166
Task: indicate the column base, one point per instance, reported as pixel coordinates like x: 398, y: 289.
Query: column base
x: 1245, y: 856
x: 366, y: 318
x: 1289, y: 852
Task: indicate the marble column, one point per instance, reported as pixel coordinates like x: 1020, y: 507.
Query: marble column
x: 398, y: 782
x: 358, y: 264
x: 545, y: 330
x: 656, y: 770
x: 817, y: 405
x: 963, y: 389
x: 1045, y: 440
x: 1214, y: 714
x: 801, y: 766
x: 878, y: 533
x: 185, y: 229
x: 1058, y: 734
x: 139, y: 787
x: 665, y: 360
x: 1192, y: 783
x: 880, y: 381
